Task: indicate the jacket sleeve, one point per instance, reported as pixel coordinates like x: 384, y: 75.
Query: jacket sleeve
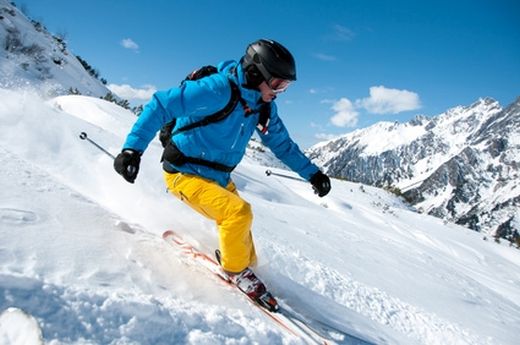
x: 193, y: 98
x: 277, y: 139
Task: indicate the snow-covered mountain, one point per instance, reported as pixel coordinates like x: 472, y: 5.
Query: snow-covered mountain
x: 31, y: 56
x: 259, y: 153
x: 462, y: 165
x: 82, y: 256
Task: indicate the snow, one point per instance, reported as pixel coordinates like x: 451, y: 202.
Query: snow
x: 383, y: 136
x: 387, y: 136
x: 107, y: 116
x: 32, y: 57
x: 449, y: 131
x: 82, y: 254
x: 17, y: 327
x: 453, y: 128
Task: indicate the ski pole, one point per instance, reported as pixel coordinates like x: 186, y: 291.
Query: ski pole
x: 83, y: 136
x: 269, y: 173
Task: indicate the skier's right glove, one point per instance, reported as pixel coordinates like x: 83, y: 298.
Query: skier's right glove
x: 127, y: 164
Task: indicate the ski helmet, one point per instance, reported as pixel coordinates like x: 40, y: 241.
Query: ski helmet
x: 266, y: 59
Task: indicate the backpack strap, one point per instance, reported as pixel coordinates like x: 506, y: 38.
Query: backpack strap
x: 174, y: 156
x: 219, y: 115
x: 200, y: 73
x: 264, y: 117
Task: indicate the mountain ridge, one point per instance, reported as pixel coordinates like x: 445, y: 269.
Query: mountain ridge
x: 453, y: 165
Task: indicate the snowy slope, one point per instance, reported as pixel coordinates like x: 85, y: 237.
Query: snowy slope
x: 30, y: 55
x: 81, y: 250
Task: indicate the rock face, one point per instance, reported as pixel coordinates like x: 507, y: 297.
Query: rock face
x: 462, y: 165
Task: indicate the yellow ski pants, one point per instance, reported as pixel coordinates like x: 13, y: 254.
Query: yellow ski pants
x: 232, y: 214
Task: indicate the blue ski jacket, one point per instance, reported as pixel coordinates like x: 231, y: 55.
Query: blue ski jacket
x: 223, y: 142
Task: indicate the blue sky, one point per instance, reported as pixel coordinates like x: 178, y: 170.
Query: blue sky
x: 358, y: 62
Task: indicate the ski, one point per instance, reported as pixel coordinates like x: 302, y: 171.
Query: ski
x: 286, y: 319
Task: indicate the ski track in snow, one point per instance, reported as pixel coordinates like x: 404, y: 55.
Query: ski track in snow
x: 374, y: 303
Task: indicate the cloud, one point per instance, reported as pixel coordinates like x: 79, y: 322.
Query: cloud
x: 127, y: 92
x: 128, y: 43
x: 342, y: 33
x: 328, y: 101
x: 324, y: 57
x: 383, y: 100
x: 345, y: 114
x: 323, y: 90
x: 321, y: 132
x: 325, y: 136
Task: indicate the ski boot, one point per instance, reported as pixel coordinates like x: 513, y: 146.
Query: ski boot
x: 247, y: 282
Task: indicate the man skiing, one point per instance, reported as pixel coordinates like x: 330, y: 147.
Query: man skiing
x: 215, y: 116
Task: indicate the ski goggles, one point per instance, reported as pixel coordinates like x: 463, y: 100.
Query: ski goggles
x: 278, y: 85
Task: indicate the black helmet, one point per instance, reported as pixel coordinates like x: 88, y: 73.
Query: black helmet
x: 266, y: 59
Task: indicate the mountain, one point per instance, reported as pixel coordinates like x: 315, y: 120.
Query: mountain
x: 462, y: 165
x: 82, y: 256
x: 259, y: 153
x: 31, y: 56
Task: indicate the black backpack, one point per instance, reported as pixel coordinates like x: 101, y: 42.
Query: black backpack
x: 172, y: 154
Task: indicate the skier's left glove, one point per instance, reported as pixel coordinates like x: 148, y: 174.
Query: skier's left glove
x: 127, y: 164
x: 320, y: 183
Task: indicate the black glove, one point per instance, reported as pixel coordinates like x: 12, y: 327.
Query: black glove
x: 320, y: 183
x: 127, y: 164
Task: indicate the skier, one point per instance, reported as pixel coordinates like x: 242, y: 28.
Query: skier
x: 199, y: 157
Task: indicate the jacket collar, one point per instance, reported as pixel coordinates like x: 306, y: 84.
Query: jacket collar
x: 235, y: 72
